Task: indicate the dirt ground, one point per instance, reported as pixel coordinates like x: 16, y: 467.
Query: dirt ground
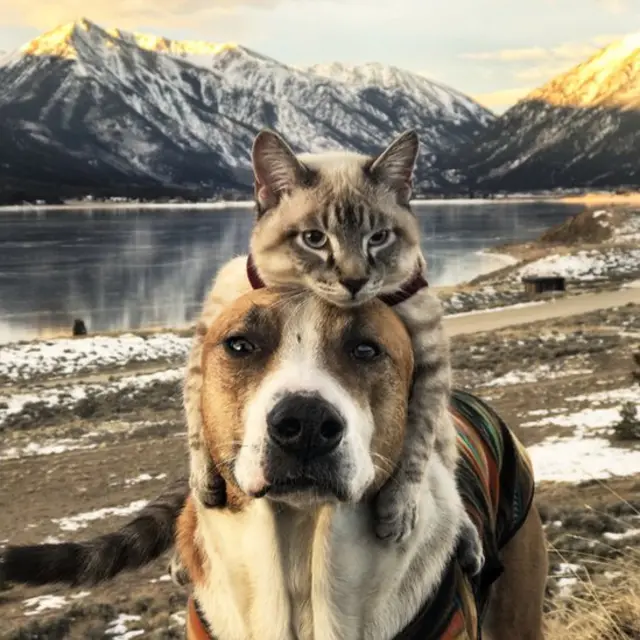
x: 135, y: 447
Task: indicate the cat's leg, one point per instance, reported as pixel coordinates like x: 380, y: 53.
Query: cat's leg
x: 396, y: 503
x: 469, y: 552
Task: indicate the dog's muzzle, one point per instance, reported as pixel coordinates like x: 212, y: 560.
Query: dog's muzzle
x: 304, y: 432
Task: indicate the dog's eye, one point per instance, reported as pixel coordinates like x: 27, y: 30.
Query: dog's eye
x: 379, y: 238
x: 314, y: 238
x: 366, y: 351
x: 239, y: 346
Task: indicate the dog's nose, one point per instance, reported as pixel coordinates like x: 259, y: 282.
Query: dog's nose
x: 353, y: 285
x: 305, y: 425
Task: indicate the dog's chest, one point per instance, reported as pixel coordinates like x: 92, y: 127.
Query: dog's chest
x: 280, y: 576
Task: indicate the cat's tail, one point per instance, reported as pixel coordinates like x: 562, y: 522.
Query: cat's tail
x: 134, y: 545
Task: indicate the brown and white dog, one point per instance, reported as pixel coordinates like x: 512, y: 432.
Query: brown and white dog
x: 304, y: 409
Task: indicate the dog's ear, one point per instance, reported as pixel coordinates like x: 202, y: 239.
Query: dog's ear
x: 395, y: 165
x: 276, y: 169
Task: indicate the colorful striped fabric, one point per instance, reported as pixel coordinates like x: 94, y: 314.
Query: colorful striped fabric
x: 495, y: 478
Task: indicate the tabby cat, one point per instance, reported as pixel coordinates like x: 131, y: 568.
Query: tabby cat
x: 341, y: 225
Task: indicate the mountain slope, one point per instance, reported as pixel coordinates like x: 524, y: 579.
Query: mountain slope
x: 581, y: 129
x: 184, y: 114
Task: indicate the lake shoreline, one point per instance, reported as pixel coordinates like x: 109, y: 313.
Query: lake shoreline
x: 587, y: 199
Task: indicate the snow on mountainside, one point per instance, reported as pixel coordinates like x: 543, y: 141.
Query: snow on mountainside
x: 439, y: 99
x: 184, y: 113
x: 580, y: 129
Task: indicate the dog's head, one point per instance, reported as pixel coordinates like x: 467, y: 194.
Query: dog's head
x: 304, y: 402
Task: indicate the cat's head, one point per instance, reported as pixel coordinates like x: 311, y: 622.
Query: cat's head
x: 339, y: 223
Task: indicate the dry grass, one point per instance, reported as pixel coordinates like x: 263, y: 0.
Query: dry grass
x: 605, y: 607
x: 601, y: 612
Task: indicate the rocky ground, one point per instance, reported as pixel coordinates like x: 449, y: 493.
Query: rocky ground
x: 596, y: 250
x: 92, y: 428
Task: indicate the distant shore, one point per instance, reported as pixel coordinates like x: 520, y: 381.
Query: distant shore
x: 588, y: 199
x: 114, y: 206
x: 603, y: 198
x: 248, y: 204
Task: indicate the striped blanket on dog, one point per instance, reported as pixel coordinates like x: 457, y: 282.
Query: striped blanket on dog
x: 495, y: 478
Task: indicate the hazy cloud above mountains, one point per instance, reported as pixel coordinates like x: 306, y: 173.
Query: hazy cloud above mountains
x: 493, y: 49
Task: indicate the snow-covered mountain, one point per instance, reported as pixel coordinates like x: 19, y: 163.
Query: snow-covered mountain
x: 580, y: 129
x: 149, y: 110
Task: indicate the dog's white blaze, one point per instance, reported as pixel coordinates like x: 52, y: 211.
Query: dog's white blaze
x: 300, y: 370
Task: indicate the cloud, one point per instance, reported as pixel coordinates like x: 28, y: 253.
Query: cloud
x: 499, y: 100
x: 124, y: 13
x: 549, y: 61
x: 508, y: 55
x: 614, y: 6
x: 568, y: 51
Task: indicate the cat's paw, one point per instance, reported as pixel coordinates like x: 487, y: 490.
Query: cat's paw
x: 470, y: 553
x: 177, y: 571
x: 211, y: 494
x: 396, y: 512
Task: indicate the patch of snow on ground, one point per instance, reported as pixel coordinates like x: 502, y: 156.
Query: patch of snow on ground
x: 630, y: 230
x: 163, y: 578
x: 179, y: 618
x: 143, y: 477
x: 52, y: 447
x: 618, y: 396
x: 583, y: 455
x: 527, y: 377
x: 67, y: 356
x: 69, y: 395
x: 82, y: 520
x: 118, y: 628
x: 584, y: 265
x: 591, y: 418
x: 629, y: 533
x: 576, y: 459
x: 587, y: 419
x: 39, y: 604
x: 48, y: 602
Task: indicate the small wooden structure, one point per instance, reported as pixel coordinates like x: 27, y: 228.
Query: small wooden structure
x: 543, y: 284
x: 79, y: 327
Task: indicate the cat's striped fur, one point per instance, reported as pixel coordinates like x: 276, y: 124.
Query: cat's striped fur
x: 341, y: 225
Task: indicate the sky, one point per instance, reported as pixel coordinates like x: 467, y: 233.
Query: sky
x: 494, y: 50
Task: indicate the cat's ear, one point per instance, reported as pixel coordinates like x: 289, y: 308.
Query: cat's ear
x: 394, y: 166
x: 276, y: 170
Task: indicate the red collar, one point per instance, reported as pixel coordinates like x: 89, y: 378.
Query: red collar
x: 407, y: 290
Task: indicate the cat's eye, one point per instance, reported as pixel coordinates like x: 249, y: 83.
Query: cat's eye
x: 314, y: 238
x: 366, y: 351
x: 379, y: 238
x: 239, y: 346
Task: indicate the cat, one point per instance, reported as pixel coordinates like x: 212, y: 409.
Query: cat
x: 341, y: 225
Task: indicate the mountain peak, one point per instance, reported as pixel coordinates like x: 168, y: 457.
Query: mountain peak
x: 59, y: 41
x: 609, y: 78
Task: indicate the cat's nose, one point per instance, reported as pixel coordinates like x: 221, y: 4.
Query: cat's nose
x: 353, y: 285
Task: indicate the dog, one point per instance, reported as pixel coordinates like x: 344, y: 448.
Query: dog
x: 304, y: 409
